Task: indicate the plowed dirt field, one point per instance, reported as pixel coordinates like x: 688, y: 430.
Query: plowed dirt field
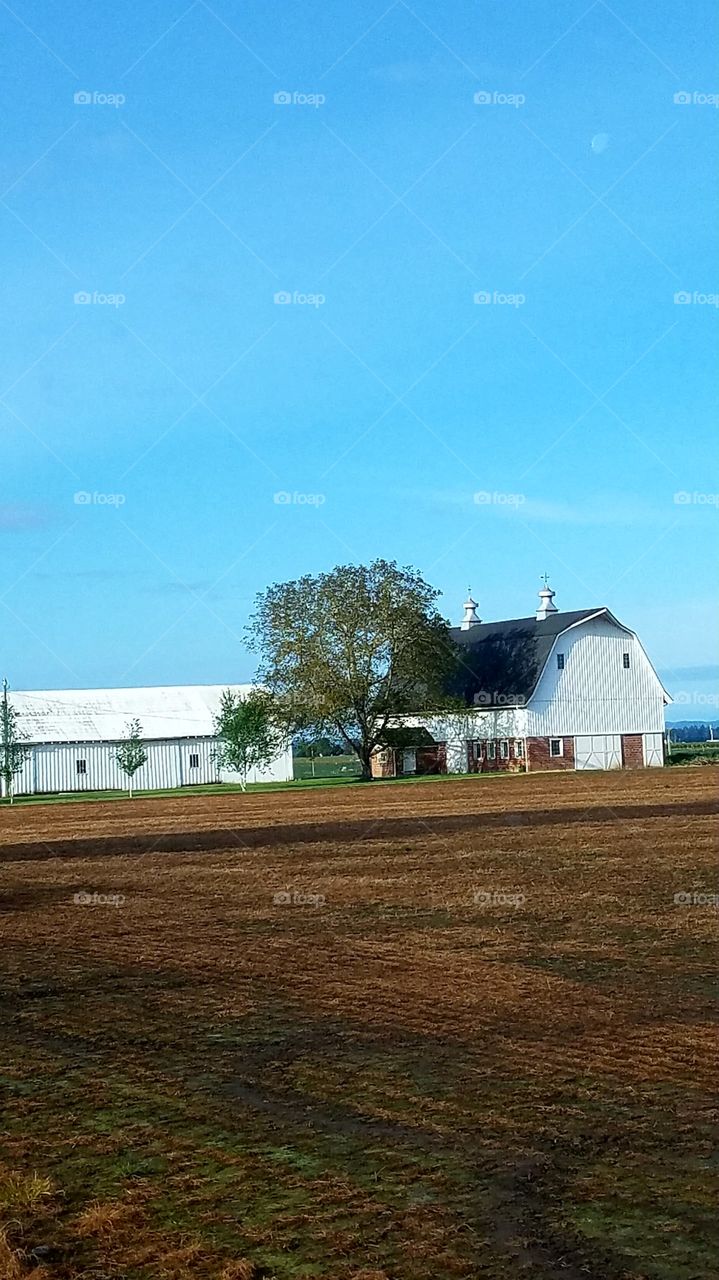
x: 382, y: 1032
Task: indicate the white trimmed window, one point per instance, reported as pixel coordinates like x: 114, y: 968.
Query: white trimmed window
x: 80, y: 767
x: 556, y: 746
x: 560, y: 662
x: 625, y: 661
x: 519, y: 748
x: 194, y: 760
x: 491, y: 750
x: 504, y: 749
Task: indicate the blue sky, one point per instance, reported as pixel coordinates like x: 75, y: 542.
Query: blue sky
x: 548, y: 428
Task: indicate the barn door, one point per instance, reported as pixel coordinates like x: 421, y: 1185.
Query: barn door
x: 598, y: 751
x: 653, y: 749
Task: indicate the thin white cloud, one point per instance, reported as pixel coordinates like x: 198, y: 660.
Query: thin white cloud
x: 17, y: 518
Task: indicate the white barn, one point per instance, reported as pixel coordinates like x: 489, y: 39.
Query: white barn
x: 557, y: 690
x: 71, y: 737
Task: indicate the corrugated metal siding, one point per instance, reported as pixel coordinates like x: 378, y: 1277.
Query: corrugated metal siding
x: 595, y: 694
x: 54, y: 767
x: 205, y: 770
x: 280, y: 770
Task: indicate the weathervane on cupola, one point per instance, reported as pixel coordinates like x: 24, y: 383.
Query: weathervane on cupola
x: 470, y: 618
x: 546, y: 596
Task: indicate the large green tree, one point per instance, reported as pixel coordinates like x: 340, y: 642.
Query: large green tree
x: 344, y: 652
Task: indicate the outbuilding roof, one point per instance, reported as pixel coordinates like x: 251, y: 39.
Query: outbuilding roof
x: 101, y: 715
x: 501, y: 662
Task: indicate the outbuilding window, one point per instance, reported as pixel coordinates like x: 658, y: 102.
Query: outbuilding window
x: 519, y: 748
x: 194, y: 761
x: 560, y: 662
x: 80, y: 766
x: 504, y: 749
x: 556, y: 747
x: 491, y: 750
x: 625, y: 661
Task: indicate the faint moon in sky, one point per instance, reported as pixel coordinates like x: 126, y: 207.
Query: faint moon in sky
x: 600, y: 142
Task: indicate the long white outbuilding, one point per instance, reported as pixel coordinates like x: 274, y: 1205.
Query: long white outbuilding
x: 71, y: 737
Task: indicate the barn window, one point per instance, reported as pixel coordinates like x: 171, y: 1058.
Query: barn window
x: 560, y: 662
x: 625, y: 661
x: 194, y: 760
x: 80, y: 766
x: 491, y: 750
x: 556, y: 747
x: 519, y: 748
x: 504, y: 749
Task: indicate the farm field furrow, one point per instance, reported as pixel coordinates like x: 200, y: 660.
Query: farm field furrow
x: 385, y: 1032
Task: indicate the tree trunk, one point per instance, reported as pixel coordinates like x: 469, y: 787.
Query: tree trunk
x: 365, y: 759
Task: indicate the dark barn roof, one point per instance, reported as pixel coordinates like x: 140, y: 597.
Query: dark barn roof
x: 402, y: 738
x: 501, y: 662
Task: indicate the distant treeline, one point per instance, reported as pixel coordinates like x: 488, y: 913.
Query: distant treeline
x: 694, y: 732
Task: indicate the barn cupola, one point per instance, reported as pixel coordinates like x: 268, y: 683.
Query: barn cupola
x: 546, y: 601
x: 470, y: 618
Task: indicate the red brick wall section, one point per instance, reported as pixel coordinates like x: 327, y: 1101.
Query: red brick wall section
x: 632, y: 751
x: 539, y: 757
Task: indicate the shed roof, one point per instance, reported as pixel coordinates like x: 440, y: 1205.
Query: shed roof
x: 101, y: 715
x: 406, y: 738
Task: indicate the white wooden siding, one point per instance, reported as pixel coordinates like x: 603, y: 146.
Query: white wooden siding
x: 653, y: 746
x: 457, y: 729
x: 595, y: 693
x: 598, y: 751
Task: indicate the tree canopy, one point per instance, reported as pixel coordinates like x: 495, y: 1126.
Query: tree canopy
x: 131, y: 754
x: 346, y: 651
x: 13, y: 752
x: 249, y: 734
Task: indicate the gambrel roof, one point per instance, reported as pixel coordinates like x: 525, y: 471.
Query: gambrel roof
x: 501, y: 662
